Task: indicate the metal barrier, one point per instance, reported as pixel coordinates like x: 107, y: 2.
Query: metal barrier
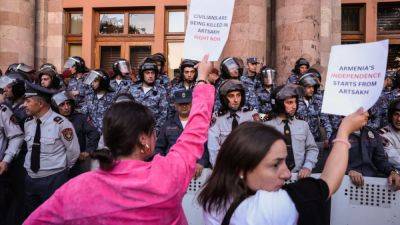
x: 372, y: 204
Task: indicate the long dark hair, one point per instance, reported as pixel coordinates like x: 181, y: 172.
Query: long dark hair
x: 242, y: 151
x: 123, y: 123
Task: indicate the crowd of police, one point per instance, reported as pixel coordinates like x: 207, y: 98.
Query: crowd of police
x: 51, y: 123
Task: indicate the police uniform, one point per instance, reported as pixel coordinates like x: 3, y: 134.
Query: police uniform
x: 264, y: 100
x: 304, y: 148
x: 377, y: 112
x: 391, y: 144
x: 76, y: 84
x: 95, y: 107
x: 293, y: 79
x: 155, y: 99
x: 11, y: 135
x: 222, y: 126
x: 163, y: 80
x: 251, y: 100
x: 310, y: 111
x: 121, y: 86
x: 175, y: 89
x: 367, y: 155
x: 250, y: 82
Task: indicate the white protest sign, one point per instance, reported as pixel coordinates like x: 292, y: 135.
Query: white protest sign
x: 355, y: 77
x: 208, y: 28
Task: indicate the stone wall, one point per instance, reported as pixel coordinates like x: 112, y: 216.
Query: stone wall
x: 17, y: 32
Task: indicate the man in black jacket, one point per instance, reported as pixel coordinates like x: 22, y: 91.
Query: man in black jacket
x: 88, y: 136
x: 174, y: 126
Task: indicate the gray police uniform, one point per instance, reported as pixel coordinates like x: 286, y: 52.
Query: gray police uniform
x: 391, y: 144
x: 59, y: 146
x: 305, y: 149
x: 222, y: 127
x: 11, y: 135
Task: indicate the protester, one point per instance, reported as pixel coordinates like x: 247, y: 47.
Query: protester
x: 142, y: 192
x: 247, y: 183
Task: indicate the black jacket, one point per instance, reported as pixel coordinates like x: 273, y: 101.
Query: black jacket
x: 88, y: 136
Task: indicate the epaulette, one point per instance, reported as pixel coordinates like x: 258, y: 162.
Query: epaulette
x: 247, y: 109
x: 58, y: 120
x: 383, y: 130
x: 299, y: 118
x: 29, y: 118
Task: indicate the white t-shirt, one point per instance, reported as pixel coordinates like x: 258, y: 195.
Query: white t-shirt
x: 184, y: 122
x: 266, y: 208
x: 147, y: 89
x: 118, y: 81
x: 99, y: 96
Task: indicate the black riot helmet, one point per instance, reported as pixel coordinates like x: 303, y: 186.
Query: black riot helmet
x: 147, y: 65
x: 100, y: 75
x: 393, y: 107
x: 122, y: 67
x: 268, y: 76
x: 229, y: 65
x: 283, y: 92
x: 159, y: 58
x: 300, y: 62
x: 48, y: 65
x: 226, y: 87
x: 187, y: 63
x: 309, y: 79
x: 77, y: 62
x: 22, y: 68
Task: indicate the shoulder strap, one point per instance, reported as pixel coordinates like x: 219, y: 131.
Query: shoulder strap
x: 232, y: 208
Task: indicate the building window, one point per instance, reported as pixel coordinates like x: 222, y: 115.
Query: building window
x: 75, y: 24
x: 176, y: 21
x: 388, y: 17
x: 137, y: 55
x: 394, y: 57
x: 175, y: 55
x: 141, y: 23
x: 353, y: 23
x: 75, y: 50
x: 111, y: 23
x: 108, y: 55
x: 73, y: 33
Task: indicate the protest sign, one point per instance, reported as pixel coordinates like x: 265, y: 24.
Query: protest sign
x: 208, y: 28
x: 355, y: 77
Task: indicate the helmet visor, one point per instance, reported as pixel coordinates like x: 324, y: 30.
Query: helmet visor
x: 269, y: 76
x: 25, y: 68
x: 5, y: 80
x: 60, y: 98
x: 70, y: 63
x: 91, y: 77
x: 124, y: 67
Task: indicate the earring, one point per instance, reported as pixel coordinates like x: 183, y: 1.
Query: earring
x: 241, y: 177
x: 147, y: 146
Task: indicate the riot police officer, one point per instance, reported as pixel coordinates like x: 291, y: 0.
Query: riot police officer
x: 49, y: 79
x: 162, y: 77
x: 250, y: 77
x: 391, y: 134
x: 302, y: 149
x: 150, y: 94
x: 122, y: 72
x: 232, y: 113
x: 74, y: 74
x: 100, y: 97
x: 301, y: 67
x: 267, y: 76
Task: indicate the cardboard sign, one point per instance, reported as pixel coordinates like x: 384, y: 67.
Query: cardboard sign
x: 208, y: 28
x: 355, y: 77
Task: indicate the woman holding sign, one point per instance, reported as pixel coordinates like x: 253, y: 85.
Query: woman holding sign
x: 127, y: 189
x: 247, y: 183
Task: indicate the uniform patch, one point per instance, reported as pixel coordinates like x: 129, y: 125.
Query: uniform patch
x: 68, y: 134
x: 58, y: 120
x: 256, y: 117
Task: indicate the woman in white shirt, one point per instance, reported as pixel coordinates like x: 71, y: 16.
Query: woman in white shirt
x: 247, y: 183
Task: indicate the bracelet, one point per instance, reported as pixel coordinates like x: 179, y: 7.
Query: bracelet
x: 346, y: 142
x: 201, y: 81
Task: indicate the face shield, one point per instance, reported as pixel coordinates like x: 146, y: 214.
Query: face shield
x: 231, y: 65
x: 60, y: 98
x: 24, y: 68
x: 124, y: 67
x: 5, y: 80
x: 70, y: 63
x: 91, y: 77
x: 269, y: 76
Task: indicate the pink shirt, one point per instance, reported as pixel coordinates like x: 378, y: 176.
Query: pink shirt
x: 135, y: 192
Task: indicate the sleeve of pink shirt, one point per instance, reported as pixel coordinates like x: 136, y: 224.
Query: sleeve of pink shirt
x: 180, y: 162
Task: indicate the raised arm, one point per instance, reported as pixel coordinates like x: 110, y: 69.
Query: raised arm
x: 336, y: 164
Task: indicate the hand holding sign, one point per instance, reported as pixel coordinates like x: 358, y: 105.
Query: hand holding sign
x: 355, y: 77
x: 208, y: 28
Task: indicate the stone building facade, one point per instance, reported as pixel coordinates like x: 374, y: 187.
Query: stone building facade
x: 278, y: 32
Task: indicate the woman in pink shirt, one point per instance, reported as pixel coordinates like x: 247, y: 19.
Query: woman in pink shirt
x: 127, y: 189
